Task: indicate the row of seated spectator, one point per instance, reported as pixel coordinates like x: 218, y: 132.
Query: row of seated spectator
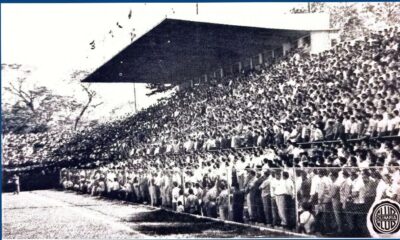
x: 350, y: 91
x: 330, y: 186
x: 20, y: 150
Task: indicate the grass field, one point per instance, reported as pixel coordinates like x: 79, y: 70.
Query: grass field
x: 55, y: 214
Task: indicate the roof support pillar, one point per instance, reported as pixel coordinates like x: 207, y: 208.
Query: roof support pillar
x: 286, y: 48
x: 260, y: 58
x: 300, y: 42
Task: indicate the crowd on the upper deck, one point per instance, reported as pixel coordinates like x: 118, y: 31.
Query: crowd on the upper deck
x: 32, y: 148
x: 350, y: 91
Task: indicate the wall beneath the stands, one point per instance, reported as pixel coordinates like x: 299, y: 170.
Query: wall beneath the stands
x: 321, y: 40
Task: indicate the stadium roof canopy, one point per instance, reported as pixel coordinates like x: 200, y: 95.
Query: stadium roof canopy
x: 179, y: 49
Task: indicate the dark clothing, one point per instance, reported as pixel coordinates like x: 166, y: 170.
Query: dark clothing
x: 237, y: 206
x: 275, y: 215
x: 267, y: 209
x: 330, y: 133
x: 15, y: 181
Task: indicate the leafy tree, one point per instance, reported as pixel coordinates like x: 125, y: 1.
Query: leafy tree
x: 91, y: 96
x: 383, y: 12
x: 30, y: 109
x: 35, y: 109
x: 347, y: 17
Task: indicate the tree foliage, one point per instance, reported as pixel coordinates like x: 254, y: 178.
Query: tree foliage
x: 91, y: 96
x: 33, y: 109
x: 387, y: 13
x: 355, y: 19
x: 347, y: 18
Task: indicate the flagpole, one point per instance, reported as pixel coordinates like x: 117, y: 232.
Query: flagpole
x: 134, y: 96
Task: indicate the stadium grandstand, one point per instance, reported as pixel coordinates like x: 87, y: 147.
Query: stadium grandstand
x: 284, y: 127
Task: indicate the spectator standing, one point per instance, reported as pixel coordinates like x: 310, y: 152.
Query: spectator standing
x: 265, y: 188
x: 237, y: 199
x: 250, y: 190
x: 192, y: 203
x: 223, y: 202
x: 324, y: 201
x: 16, y: 183
x: 336, y: 203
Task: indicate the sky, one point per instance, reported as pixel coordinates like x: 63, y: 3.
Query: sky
x: 53, y: 40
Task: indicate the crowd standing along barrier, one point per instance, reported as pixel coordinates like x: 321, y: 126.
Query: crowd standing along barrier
x: 326, y: 201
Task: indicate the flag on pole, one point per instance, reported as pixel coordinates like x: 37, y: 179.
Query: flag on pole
x: 130, y: 14
x: 92, y: 45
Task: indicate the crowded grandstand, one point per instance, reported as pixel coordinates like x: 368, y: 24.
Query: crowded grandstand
x: 307, y: 142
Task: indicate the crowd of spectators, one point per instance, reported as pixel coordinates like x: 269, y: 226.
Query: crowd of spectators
x: 242, y: 147
x: 238, y: 147
x: 350, y: 91
x: 19, y: 150
x: 332, y: 186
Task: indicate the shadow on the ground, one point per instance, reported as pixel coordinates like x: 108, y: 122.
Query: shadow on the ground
x: 164, y: 216
x: 161, y: 222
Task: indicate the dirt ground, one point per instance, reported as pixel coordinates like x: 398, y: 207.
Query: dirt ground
x: 56, y: 214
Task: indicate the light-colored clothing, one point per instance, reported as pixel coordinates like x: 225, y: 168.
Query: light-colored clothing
x: 324, y: 190
x: 307, y: 220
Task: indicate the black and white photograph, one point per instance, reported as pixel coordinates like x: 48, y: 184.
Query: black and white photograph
x: 200, y: 120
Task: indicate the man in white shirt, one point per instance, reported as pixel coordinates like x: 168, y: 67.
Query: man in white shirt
x: 347, y: 126
x: 317, y: 134
x: 296, y: 151
x: 283, y: 194
x: 250, y: 190
x: 275, y: 184
x: 372, y: 126
x: 265, y: 188
x: 336, y: 204
x: 396, y: 122
x: 315, y: 181
x: 188, y: 145
x: 324, y: 191
x: 359, y: 192
x: 354, y: 128
x: 390, y: 188
x: 382, y: 125
x: 175, y: 195
x: 391, y: 123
